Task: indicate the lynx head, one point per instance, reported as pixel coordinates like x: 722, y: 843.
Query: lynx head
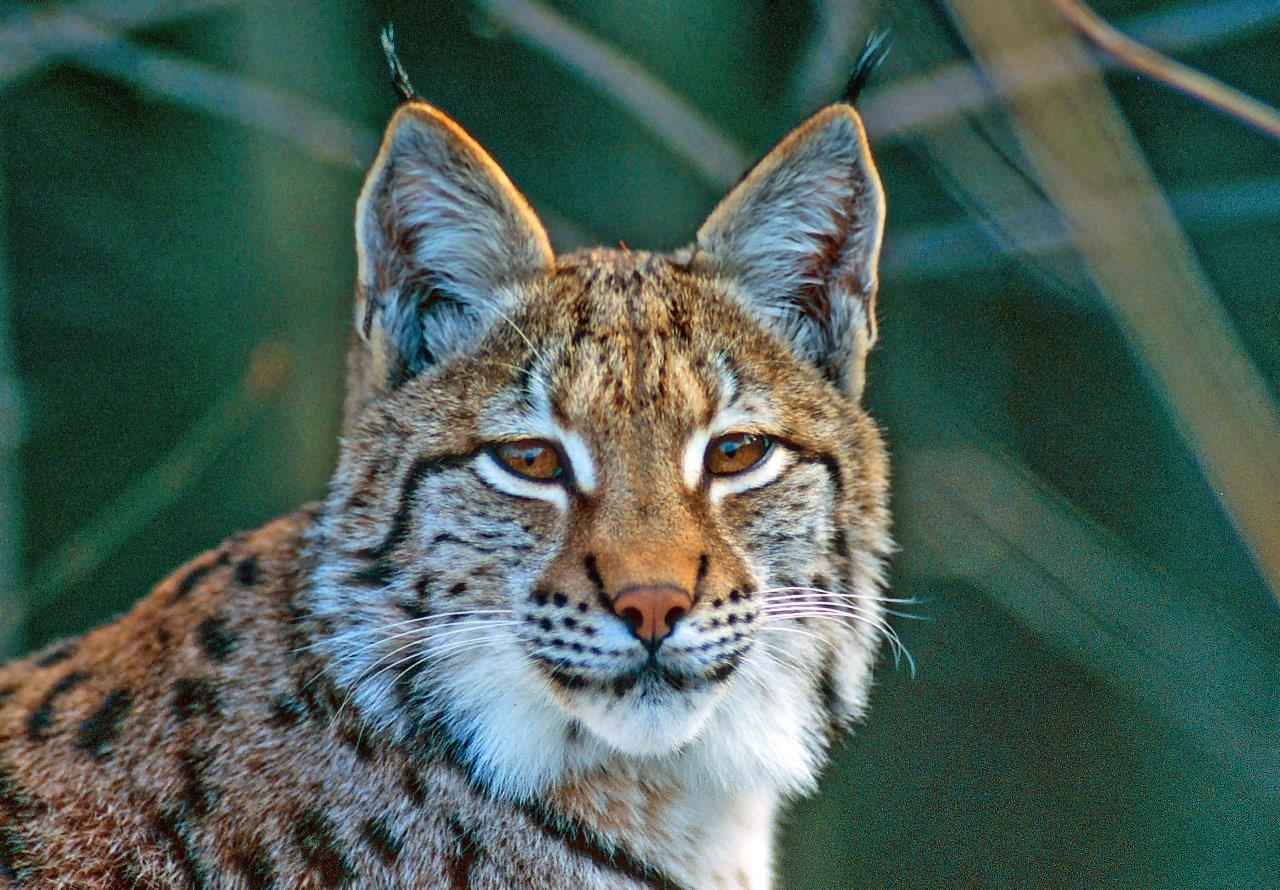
x: 614, y: 504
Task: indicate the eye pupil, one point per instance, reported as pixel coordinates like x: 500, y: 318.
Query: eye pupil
x: 736, y: 452
x: 530, y: 458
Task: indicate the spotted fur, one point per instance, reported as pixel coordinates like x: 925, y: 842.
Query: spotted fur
x: 422, y: 682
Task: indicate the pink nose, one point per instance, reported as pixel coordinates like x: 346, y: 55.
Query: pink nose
x: 651, y: 612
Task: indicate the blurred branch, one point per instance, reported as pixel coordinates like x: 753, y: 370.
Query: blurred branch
x: 839, y: 28
x: 311, y: 127
x: 974, y: 514
x: 12, y: 603
x: 949, y: 91
x: 1133, y: 55
x: 38, y: 35
x: 652, y: 103
x: 1096, y: 175
x: 960, y: 246
x: 318, y: 131
x: 161, y: 486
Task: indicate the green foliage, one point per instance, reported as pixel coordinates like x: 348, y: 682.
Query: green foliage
x: 1096, y: 693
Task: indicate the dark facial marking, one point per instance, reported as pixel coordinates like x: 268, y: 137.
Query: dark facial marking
x: 42, y: 716
x: 830, y: 702
x: 831, y: 465
x: 418, y: 473
x: 593, y: 575
x: 215, y: 638
x: 98, y: 731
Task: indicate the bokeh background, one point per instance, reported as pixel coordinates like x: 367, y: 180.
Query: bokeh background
x: 1078, y: 367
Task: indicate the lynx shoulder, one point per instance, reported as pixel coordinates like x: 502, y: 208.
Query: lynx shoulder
x: 595, y: 587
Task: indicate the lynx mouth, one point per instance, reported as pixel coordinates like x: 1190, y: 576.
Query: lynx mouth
x: 651, y: 678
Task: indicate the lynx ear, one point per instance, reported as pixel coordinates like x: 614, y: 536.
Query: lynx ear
x: 441, y: 234
x: 799, y: 238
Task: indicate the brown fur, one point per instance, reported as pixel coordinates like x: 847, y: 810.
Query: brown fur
x: 255, y: 720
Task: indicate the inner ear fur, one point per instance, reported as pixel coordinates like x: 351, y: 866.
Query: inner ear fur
x: 441, y: 234
x: 799, y: 239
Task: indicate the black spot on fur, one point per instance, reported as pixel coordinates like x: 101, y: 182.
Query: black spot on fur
x: 56, y: 655
x: 15, y: 864
x: 378, y: 835
x: 724, y: 671
x: 42, y: 716
x: 458, y: 865
x: 198, y: 796
x: 14, y: 799
x: 130, y: 874
x: 315, y: 837
x: 458, y: 589
x: 173, y: 830
x: 193, y: 578
x: 194, y: 696
x: 586, y: 843
x: 378, y: 573
x: 411, y: 608
x: 256, y: 865
x: 287, y: 711
x: 247, y: 571
x: 414, y: 787
x: 98, y: 731
x: 354, y: 737
x: 215, y: 638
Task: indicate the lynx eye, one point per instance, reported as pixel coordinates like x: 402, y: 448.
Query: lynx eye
x: 736, y: 453
x: 535, y: 459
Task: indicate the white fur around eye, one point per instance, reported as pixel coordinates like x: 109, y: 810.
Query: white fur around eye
x: 507, y: 482
x: 762, y: 474
x: 695, y: 457
x: 578, y: 454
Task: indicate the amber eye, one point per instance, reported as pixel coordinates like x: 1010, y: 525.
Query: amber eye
x: 531, y: 458
x: 736, y: 452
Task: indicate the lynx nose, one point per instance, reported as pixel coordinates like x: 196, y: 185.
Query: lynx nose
x: 652, y: 611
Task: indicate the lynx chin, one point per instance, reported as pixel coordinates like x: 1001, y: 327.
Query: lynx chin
x: 595, y: 586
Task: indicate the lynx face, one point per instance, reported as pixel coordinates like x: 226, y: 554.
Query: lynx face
x: 612, y: 505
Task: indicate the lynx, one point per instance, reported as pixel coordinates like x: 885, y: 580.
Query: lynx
x: 595, y: 587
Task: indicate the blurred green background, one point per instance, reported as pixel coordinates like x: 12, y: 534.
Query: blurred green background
x: 1095, y: 693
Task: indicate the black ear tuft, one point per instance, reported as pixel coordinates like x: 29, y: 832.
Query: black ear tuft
x: 873, y: 53
x: 399, y: 77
